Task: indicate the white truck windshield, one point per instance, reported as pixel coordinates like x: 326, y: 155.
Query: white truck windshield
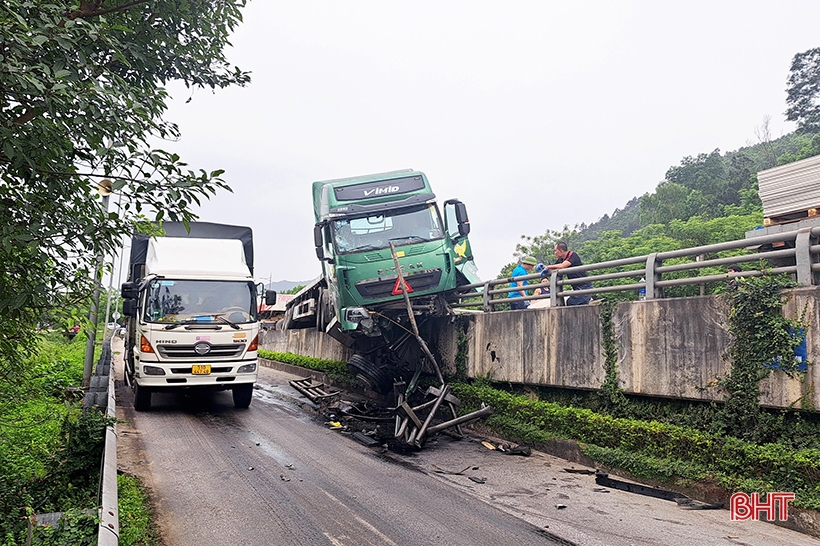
x: 403, y: 226
x: 174, y: 301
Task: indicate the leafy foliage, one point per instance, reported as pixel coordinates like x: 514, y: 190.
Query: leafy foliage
x: 803, y: 90
x: 651, y: 449
x: 761, y: 338
x: 81, y: 101
x: 49, y: 449
x: 134, y: 513
x: 703, y: 189
x: 333, y: 368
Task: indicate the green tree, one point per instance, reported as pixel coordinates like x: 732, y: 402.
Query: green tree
x: 671, y: 201
x: 82, y: 99
x: 803, y: 91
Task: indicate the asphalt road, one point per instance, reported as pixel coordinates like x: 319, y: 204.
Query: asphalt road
x: 276, y: 474
x: 273, y: 475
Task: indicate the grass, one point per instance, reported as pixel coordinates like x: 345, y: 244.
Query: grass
x: 135, y: 512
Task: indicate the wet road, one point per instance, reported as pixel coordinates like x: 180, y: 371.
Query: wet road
x: 274, y: 475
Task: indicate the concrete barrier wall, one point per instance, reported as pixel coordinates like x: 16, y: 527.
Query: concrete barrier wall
x: 670, y: 348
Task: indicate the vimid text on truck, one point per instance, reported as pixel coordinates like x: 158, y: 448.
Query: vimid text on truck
x: 191, y: 308
x: 358, y: 299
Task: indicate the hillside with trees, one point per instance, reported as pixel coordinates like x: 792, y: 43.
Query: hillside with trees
x: 708, y: 198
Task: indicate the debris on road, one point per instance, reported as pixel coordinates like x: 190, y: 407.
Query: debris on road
x: 440, y: 470
x: 478, y: 480
x: 579, y: 470
x: 315, y: 392
x: 602, y: 478
x: 508, y: 449
x: 369, y: 441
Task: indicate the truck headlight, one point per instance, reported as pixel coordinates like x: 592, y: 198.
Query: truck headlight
x: 152, y: 370
x: 356, y: 314
x: 247, y: 368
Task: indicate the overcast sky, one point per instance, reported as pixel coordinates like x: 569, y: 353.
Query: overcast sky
x: 535, y: 114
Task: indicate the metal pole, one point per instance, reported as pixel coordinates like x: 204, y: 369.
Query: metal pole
x: 92, y: 315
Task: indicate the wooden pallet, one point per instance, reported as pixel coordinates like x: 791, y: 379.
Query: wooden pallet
x: 791, y: 217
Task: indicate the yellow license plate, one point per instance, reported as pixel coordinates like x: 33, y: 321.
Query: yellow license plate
x: 201, y: 369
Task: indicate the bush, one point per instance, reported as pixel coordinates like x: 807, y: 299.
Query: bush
x: 651, y: 449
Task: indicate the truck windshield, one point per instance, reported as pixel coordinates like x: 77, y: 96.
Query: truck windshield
x: 403, y: 226
x: 175, y: 301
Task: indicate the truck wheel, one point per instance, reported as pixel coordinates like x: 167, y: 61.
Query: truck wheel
x: 286, y: 321
x: 242, y: 395
x: 320, y: 310
x: 142, y: 398
x: 364, y: 369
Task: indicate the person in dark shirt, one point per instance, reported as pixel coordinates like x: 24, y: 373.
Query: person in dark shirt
x: 732, y: 284
x: 566, y: 258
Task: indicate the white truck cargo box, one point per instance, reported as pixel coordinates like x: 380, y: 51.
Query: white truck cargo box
x: 183, y: 257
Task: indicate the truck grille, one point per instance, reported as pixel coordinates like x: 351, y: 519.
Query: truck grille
x: 383, y: 288
x: 187, y: 351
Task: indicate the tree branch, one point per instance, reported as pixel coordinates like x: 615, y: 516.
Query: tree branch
x: 92, y: 9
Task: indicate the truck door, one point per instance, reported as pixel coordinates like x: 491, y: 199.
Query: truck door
x: 457, y: 225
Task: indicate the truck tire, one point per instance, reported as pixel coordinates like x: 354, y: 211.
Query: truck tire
x: 142, y: 398
x: 323, y: 310
x: 242, y: 395
x: 286, y: 321
x: 366, y: 370
x: 320, y: 315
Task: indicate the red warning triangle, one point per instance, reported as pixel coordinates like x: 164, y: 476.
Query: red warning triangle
x: 397, y: 287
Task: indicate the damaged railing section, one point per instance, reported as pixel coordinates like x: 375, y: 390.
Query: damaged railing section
x: 411, y: 430
x: 315, y: 392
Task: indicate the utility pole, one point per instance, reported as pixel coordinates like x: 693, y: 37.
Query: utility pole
x: 104, y: 188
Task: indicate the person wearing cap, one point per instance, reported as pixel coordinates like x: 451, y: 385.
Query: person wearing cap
x: 524, y: 268
x: 566, y: 258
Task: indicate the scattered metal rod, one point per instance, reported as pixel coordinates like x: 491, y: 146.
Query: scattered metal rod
x: 440, y: 470
x: 483, y: 412
x: 423, y: 430
x: 313, y: 391
x: 602, y: 478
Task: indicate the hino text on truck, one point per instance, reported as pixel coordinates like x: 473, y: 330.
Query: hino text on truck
x: 359, y: 299
x: 191, y: 305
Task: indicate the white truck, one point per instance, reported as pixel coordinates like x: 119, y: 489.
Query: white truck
x: 191, y: 306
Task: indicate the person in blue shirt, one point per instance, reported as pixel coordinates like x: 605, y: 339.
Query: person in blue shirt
x: 524, y: 268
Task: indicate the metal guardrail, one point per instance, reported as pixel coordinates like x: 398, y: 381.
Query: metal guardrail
x: 800, y: 247
x: 109, y: 527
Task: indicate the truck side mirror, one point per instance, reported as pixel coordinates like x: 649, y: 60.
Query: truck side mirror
x: 129, y: 307
x: 270, y: 297
x: 318, y: 241
x: 129, y: 290
x: 462, y: 219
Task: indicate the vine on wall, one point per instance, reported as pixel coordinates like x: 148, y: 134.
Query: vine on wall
x: 762, y: 340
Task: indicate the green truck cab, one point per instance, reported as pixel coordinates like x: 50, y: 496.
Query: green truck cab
x: 358, y: 299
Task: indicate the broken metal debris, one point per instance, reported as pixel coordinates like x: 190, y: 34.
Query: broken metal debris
x: 478, y: 480
x: 369, y: 441
x: 602, y: 478
x: 411, y: 430
x: 508, y: 449
x: 440, y: 470
x: 315, y: 392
